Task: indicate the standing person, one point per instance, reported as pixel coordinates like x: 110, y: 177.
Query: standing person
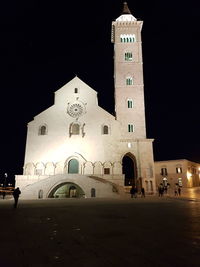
x: 142, y: 192
x: 179, y: 191
x: 16, y: 194
x: 175, y: 191
x: 132, y: 191
x: 4, y: 194
x: 136, y: 191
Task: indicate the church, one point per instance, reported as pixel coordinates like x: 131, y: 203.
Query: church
x: 77, y: 149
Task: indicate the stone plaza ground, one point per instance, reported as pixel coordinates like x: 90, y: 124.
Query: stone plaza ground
x: 101, y: 232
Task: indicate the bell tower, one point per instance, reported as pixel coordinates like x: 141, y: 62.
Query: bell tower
x: 128, y: 75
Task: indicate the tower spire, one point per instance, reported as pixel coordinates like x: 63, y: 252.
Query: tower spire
x: 126, y: 10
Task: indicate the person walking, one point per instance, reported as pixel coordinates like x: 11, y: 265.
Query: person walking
x: 16, y: 194
x: 179, y: 191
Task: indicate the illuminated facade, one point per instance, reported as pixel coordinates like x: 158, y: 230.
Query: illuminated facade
x: 76, y: 148
x: 183, y: 172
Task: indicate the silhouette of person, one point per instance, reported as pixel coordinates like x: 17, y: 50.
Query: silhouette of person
x: 16, y: 194
x: 142, y: 192
x: 132, y: 191
x: 179, y: 191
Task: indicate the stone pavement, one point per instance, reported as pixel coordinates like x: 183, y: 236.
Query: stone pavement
x: 100, y: 232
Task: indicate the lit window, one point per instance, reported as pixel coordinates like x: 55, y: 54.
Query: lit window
x: 178, y: 170
x: 105, y: 129
x: 130, y: 103
x: 106, y: 170
x: 129, y: 81
x: 180, y: 183
x: 42, y: 130
x: 128, y: 56
x: 129, y: 145
x: 130, y: 128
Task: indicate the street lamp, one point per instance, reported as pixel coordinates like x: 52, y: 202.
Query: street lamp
x: 5, y: 178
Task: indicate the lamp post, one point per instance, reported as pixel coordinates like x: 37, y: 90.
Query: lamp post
x: 5, y: 178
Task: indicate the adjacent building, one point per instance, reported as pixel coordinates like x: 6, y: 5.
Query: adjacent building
x: 180, y: 172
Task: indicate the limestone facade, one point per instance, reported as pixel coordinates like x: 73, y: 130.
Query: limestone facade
x: 75, y: 136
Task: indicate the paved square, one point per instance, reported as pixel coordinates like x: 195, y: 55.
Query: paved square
x: 100, y: 232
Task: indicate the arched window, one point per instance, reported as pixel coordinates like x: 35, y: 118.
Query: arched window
x: 129, y: 81
x: 105, y: 129
x: 130, y: 103
x: 73, y: 166
x: 75, y: 128
x: 43, y: 130
x: 127, y: 38
x: 128, y: 56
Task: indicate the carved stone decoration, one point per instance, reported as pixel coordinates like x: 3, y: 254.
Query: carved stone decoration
x: 76, y: 109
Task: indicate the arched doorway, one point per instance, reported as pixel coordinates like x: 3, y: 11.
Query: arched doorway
x: 129, y: 169
x: 67, y: 190
x: 73, y: 166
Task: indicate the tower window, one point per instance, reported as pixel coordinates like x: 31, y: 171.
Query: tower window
x: 127, y: 38
x: 130, y: 128
x: 129, y: 81
x: 105, y: 129
x: 128, y: 56
x: 130, y: 103
x: 75, y: 90
x: 42, y: 130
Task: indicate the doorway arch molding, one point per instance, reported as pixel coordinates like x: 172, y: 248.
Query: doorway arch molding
x: 129, y: 169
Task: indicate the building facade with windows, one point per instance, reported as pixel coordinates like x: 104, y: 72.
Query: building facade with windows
x: 183, y: 172
x: 76, y: 148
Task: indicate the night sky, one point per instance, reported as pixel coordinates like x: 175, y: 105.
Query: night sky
x: 44, y: 44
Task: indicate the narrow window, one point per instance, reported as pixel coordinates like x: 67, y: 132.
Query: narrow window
x: 130, y: 128
x: 129, y: 81
x: 106, y: 170
x: 128, y: 56
x: 105, y: 129
x: 76, y: 90
x: 163, y: 171
x: 42, y: 130
x: 130, y: 103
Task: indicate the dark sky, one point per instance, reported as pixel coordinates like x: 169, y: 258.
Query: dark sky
x: 44, y: 44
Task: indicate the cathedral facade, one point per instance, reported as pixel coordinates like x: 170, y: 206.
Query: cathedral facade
x: 77, y: 149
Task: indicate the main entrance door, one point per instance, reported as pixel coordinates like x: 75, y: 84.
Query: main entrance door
x: 129, y: 170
